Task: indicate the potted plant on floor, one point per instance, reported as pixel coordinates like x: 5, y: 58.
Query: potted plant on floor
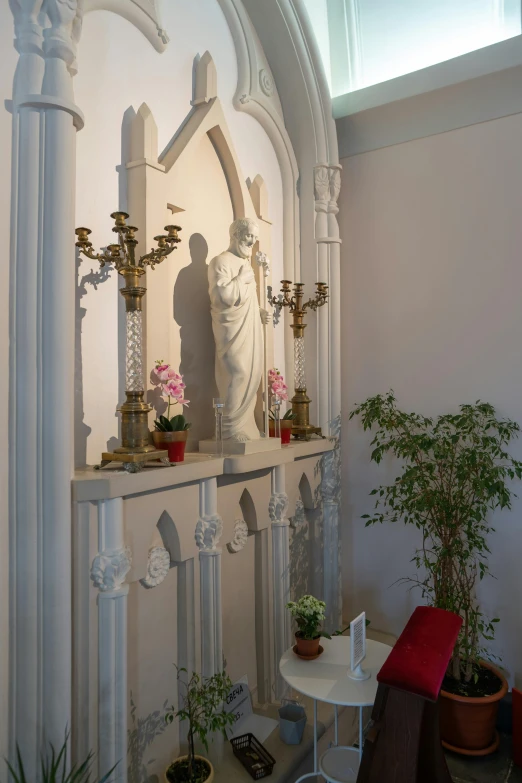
x: 308, y: 613
x: 170, y: 434
x: 279, y: 389
x: 456, y: 470
x: 202, y: 708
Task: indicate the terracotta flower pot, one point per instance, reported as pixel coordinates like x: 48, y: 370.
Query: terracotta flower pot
x: 307, y: 647
x: 173, y: 442
x: 467, y: 723
x: 286, y: 431
x: 198, y: 758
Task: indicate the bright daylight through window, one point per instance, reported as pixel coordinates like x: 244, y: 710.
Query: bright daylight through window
x: 364, y: 42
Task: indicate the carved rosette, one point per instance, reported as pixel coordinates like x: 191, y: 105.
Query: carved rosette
x: 299, y: 517
x: 109, y: 569
x: 327, y: 186
x: 240, y: 536
x: 278, y: 507
x: 158, y: 566
x: 266, y: 83
x: 208, y: 532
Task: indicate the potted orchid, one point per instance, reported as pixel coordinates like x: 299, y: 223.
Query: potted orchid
x: 309, y: 613
x: 279, y: 389
x: 169, y: 433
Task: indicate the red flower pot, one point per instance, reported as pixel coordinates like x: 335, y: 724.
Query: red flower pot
x: 173, y: 442
x: 286, y: 431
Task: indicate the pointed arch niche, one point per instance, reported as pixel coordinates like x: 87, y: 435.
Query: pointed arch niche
x: 197, y: 183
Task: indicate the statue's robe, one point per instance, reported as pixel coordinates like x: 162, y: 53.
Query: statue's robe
x: 237, y: 328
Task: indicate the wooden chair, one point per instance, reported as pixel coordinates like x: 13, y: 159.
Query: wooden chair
x: 403, y: 745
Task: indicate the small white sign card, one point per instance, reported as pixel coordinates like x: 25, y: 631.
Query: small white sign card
x: 239, y: 702
x: 358, y: 648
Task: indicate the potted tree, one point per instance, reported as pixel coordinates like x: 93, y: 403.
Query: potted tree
x: 202, y: 708
x: 455, y: 471
x: 308, y: 613
x: 279, y: 389
x: 170, y: 433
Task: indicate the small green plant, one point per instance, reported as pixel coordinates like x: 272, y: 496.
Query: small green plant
x: 55, y: 768
x: 175, y: 424
x: 308, y: 613
x: 203, y: 709
x: 289, y: 416
x: 455, y: 471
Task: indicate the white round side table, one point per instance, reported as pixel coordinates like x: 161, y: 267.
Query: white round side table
x: 326, y: 679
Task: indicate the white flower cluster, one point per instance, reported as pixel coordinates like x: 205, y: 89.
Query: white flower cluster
x: 308, y: 607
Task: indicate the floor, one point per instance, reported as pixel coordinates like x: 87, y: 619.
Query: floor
x: 497, y: 768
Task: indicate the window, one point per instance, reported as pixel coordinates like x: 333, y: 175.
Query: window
x: 364, y: 42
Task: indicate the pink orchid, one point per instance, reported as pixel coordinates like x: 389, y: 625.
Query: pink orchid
x: 171, y: 383
x: 162, y: 372
x: 277, y: 383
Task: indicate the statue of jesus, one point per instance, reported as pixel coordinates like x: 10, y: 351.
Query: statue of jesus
x: 236, y: 323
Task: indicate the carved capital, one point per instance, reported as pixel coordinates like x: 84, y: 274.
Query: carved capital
x: 158, y: 566
x: 240, y: 536
x: 208, y: 532
x: 327, y: 186
x: 61, y: 38
x: 28, y: 30
x: 109, y: 569
x: 278, y: 507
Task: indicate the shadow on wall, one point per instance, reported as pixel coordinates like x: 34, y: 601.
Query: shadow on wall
x: 81, y: 429
x: 143, y: 733
x: 192, y: 314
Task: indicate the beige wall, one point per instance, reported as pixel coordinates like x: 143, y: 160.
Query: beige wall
x: 431, y: 281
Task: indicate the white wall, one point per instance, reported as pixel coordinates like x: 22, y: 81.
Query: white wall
x: 118, y: 68
x: 431, y: 281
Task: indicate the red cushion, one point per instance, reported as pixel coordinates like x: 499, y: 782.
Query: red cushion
x: 420, y: 657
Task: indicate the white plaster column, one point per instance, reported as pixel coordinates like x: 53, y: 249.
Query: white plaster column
x: 108, y: 572
x: 327, y: 183
x: 262, y: 617
x: 208, y: 533
x: 277, y: 509
x: 45, y: 120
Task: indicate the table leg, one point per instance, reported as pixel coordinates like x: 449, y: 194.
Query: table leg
x: 336, y: 740
x: 315, y: 735
x: 315, y: 773
x: 360, y: 734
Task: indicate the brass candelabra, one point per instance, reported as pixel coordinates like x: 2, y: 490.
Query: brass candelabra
x: 301, y: 427
x: 136, y: 448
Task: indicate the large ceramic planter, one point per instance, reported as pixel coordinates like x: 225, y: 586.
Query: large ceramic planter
x: 308, y: 648
x: 173, y: 442
x: 200, y: 758
x: 467, y: 723
x: 286, y: 431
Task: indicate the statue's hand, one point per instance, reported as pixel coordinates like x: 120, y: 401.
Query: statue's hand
x: 266, y: 317
x: 246, y: 274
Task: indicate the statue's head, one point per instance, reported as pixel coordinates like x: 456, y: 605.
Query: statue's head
x: 244, y: 234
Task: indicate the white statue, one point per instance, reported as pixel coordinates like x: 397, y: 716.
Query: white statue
x: 236, y: 323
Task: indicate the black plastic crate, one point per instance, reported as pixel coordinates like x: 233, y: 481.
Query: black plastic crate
x: 256, y: 760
